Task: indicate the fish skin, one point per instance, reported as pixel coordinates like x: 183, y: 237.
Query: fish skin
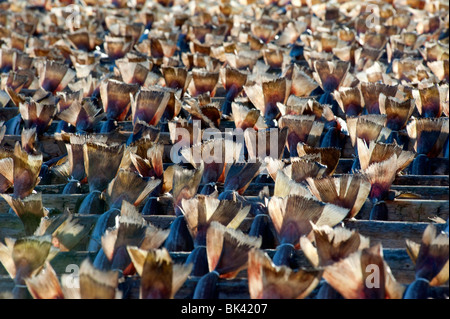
x: 121, y: 259
x: 63, y: 126
x: 151, y: 206
x: 207, y: 287
x: 379, y: 211
x: 107, y: 219
x: 92, y: 204
x: 208, y: 189
x: 108, y: 126
x: 101, y: 261
x: 327, y: 292
x: 199, y: 260
x: 284, y: 255
x: 419, y: 165
x: 179, y: 238
x: 332, y: 138
x: 261, y: 227
x: 72, y: 187
x: 13, y: 125
x: 418, y: 289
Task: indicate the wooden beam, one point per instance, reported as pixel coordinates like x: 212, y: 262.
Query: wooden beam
x: 425, y: 192
x: 424, y: 180
x: 55, y: 201
x: 410, y: 210
x: 391, y: 234
x: 399, y: 209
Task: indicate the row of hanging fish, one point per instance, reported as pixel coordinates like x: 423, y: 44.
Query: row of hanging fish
x: 308, y: 78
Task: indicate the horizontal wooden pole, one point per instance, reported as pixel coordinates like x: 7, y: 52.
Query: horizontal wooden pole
x: 412, y: 210
x: 399, y: 209
x: 55, y: 201
x: 425, y: 192
x: 422, y: 191
x: 417, y: 184
x: 417, y: 180
x: 424, y: 180
x: 391, y: 234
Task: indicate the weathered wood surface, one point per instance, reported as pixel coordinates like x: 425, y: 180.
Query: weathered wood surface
x: 424, y: 192
x: 424, y: 180
x: 56, y: 201
x: 391, y: 234
x: 399, y: 209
